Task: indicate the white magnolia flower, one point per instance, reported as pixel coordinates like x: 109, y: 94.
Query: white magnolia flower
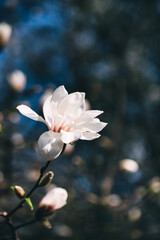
x: 56, y: 198
x: 5, y: 33
x: 67, y: 121
x: 17, y: 80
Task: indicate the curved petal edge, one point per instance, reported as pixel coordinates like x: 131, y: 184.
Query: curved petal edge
x: 50, y: 145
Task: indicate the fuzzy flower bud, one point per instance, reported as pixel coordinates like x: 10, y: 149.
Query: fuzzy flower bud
x: 46, y: 179
x: 19, y: 192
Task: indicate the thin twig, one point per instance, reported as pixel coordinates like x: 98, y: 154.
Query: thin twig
x: 20, y: 205
x: 10, y: 224
x: 25, y: 224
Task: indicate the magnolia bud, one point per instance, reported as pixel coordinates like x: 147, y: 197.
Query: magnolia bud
x: 46, y: 223
x: 41, y: 213
x: 46, y: 179
x: 53, y: 200
x: 19, y: 192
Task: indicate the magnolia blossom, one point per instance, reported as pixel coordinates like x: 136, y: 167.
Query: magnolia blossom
x: 17, y: 80
x: 67, y: 121
x: 5, y: 33
x: 56, y: 198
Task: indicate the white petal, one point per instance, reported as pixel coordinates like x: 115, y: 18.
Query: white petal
x: 72, y: 105
x: 68, y: 137
x: 60, y: 198
x: 57, y: 197
x: 94, y: 126
x: 47, y: 112
x: 87, y: 116
x: 59, y: 94
x: 28, y: 112
x: 90, y: 136
x: 50, y: 145
x: 93, y: 113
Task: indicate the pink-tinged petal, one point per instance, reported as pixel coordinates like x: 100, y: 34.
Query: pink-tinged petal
x: 59, y: 94
x: 68, y: 137
x: 54, y: 199
x: 72, y: 105
x: 90, y: 136
x: 94, y: 126
x: 47, y: 112
x: 50, y: 145
x: 28, y: 112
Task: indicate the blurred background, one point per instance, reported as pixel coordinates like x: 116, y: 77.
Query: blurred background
x: 109, y: 49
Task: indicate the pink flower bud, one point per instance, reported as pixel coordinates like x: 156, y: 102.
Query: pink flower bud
x: 53, y: 200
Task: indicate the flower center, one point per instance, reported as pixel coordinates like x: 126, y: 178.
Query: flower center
x: 60, y: 127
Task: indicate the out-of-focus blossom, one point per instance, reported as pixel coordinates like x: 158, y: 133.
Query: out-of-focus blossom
x: 17, y: 80
x: 154, y: 185
x: 63, y: 230
x: 112, y: 200
x: 69, y: 149
x: 67, y: 120
x: 134, y: 214
x: 55, y: 199
x: 17, y: 139
x: 5, y: 33
x: 129, y: 165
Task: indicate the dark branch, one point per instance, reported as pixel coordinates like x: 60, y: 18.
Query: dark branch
x: 20, y: 205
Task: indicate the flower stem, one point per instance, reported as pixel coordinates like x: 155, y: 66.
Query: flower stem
x: 25, y: 224
x: 20, y: 205
x: 9, y: 222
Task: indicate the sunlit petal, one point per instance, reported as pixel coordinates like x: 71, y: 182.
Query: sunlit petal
x: 47, y: 112
x: 87, y: 116
x: 94, y: 126
x: 28, y: 112
x: 50, y: 145
x: 56, y: 198
x: 72, y: 105
x: 93, y: 113
x: 68, y: 137
x: 90, y: 136
x: 59, y: 94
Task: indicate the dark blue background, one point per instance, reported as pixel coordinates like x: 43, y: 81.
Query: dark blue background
x: 110, y: 50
